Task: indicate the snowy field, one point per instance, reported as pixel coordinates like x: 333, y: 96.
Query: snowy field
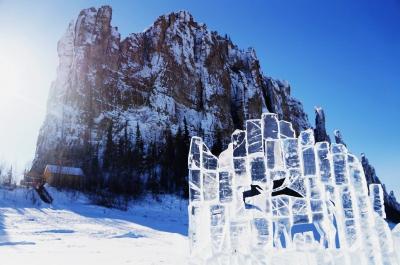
x: 72, y: 231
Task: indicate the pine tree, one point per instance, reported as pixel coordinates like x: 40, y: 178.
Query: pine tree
x: 186, y: 147
x: 95, y: 180
x: 167, y: 161
x: 218, y: 146
x: 109, y: 150
x: 9, y: 177
x: 152, y: 183
x: 152, y: 155
x: 125, y: 158
x: 138, y: 154
x: 181, y: 151
x: 186, y: 135
x: 178, y: 165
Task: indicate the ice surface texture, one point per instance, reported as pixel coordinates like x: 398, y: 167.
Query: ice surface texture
x: 247, y: 205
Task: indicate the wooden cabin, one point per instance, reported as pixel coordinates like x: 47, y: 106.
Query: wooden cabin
x: 61, y: 176
x: 32, y: 179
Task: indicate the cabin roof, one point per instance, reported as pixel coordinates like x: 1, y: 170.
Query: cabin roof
x: 74, y: 171
x: 33, y: 174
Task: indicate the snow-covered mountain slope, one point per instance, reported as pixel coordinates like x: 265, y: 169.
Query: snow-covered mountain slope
x: 72, y: 231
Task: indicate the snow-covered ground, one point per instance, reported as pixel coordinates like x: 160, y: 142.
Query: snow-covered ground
x: 73, y: 231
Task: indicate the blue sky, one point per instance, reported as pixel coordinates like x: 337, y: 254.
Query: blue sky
x: 341, y: 55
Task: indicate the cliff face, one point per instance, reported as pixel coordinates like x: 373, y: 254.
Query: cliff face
x: 392, y: 207
x: 177, y: 69
x: 175, y: 72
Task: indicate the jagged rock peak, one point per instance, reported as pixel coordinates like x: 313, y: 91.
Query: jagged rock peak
x: 93, y: 24
x: 369, y: 170
x: 339, y: 137
x: 181, y: 16
x: 392, y: 207
x: 320, y: 129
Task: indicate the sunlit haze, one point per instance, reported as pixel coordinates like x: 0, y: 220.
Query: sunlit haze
x: 26, y: 70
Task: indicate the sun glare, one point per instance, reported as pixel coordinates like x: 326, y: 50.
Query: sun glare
x: 16, y: 71
x: 21, y: 112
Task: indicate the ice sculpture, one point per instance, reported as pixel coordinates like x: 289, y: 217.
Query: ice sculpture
x: 248, y: 205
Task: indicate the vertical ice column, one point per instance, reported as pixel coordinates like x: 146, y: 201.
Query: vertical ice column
x: 381, y: 227
x: 199, y: 230
x: 241, y: 180
x: 194, y: 165
x: 282, y: 204
x: 261, y: 222
x: 225, y: 186
x: 272, y: 131
x: 272, y: 144
x: 315, y: 189
x: 274, y: 158
x: 240, y: 236
x: 217, y: 227
x: 339, y: 153
x: 282, y: 217
x: 209, y: 169
x: 364, y: 214
x: 301, y: 206
x: 220, y: 226
x: 259, y: 130
x: 356, y: 176
x: 347, y: 225
x: 298, y: 207
x: 211, y: 198
x: 291, y: 153
x: 255, y: 153
x: 254, y: 137
x: 270, y: 126
x: 325, y: 175
x: 348, y: 229
x: 260, y: 232
x: 239, y: 223
x: 285, y: 130
x: 376, y: 196
x: 324, y: 164
x: 385, y: 239
x: 306, y: 141
x: 396, y: 240
x: 242, y: 177
x: 225, y: 174
x: 293, y: 166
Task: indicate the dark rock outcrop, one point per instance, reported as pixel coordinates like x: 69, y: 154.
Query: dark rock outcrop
x: 320, y: 129
x: 339, y: 137
x: 392, y: 207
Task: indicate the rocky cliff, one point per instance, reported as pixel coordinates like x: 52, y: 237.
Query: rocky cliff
x: 175, y: 74
x: 176, y: 69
